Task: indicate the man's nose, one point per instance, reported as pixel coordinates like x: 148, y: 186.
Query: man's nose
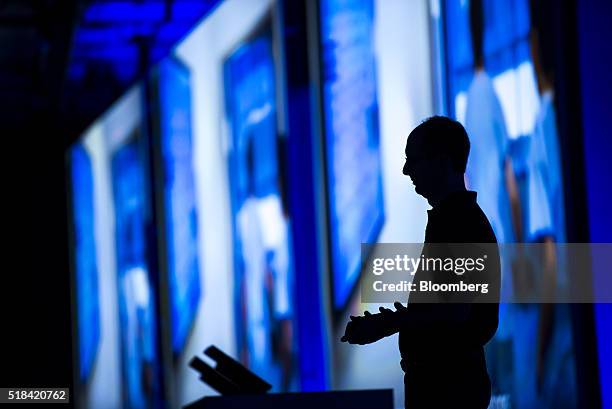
x: 406, y: 169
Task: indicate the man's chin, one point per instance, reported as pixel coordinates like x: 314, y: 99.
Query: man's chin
x: 420, y: 192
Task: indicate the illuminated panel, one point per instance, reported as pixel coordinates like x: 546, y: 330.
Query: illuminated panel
x: 88, y: 316
x: 179, y: 198
x: 351, y: 137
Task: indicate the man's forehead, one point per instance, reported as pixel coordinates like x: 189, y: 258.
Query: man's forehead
x: 413, y: 143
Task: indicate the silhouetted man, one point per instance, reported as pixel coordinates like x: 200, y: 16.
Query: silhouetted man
x: 441, y: 342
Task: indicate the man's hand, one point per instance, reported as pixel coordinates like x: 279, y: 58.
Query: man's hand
x: 370, y: 328
x: 390, y: 314
x: 362, y: 330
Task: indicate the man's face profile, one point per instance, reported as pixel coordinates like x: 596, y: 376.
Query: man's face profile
x: 436, y: 152
x: 420, y: 166
x: 414, y: 164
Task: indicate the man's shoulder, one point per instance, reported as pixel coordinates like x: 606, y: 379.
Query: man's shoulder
x: 481, y: 230
x: 471, y: 225
x: 459, y: 219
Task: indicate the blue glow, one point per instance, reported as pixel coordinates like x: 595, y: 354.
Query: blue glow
x: 88, y: 307
x: 352, y: 137
x: 120, y: 52
x: 107, y: 33
x: 125, y: 11
x: 186, y: 10
x: 109, y: 36
x: 179, y: 198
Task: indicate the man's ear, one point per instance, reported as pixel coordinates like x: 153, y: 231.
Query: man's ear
x: 443, y: 160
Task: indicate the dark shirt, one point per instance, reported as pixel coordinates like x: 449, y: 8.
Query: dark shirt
x: 448, y: 332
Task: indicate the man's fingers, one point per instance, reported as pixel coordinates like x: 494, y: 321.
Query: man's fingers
x: 385, y: 310
x: 353, y: 318
x: 367, y: 313
x: 399, y: 306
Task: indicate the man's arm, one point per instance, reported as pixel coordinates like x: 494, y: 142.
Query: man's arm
x: 367, y: 329
x: 425, y: 316
x: 442, y: 312
x: 370, y: 328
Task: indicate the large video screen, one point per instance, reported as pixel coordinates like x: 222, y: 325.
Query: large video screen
x: 173, y: 118
x: 86, y: 267
x: 508, y: 109
x: 137, y: 295
x: 116, y: 288
x: 263, y: 257
x: 350, y: 111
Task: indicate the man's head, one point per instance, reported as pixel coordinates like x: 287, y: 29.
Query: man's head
x: 436, y: 157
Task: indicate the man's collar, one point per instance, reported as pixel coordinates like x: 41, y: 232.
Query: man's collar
x: 454, y: 200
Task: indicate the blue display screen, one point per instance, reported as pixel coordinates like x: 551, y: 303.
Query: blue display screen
x: 87, y: 299
x: 135, y: 286
x: 179, y: 198
x: 508, y: 118
x: 250, y: 93
x: 353, y: 164
x: 263, y: 257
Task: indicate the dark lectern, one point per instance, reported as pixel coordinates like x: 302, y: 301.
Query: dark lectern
x: 228, y: 377
x: 364, y: 399
x: 241, y: 388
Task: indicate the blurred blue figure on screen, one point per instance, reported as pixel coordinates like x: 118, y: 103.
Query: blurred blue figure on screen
x: 136, y: 294
x: 262, y: 262
x: 489, y: 172
x: 138, y: 333
x: 546, y: 203
x: 263, y: 231
x: 554, y: 358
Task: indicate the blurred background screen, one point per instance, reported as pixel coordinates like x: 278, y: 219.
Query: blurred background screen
x: 350, y: 111
x: 122, y: 326
x: 86, y: 266
x: 263, y: 262
x: 500, y: 85
x: 137, y: 315
x: 172, y: 110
